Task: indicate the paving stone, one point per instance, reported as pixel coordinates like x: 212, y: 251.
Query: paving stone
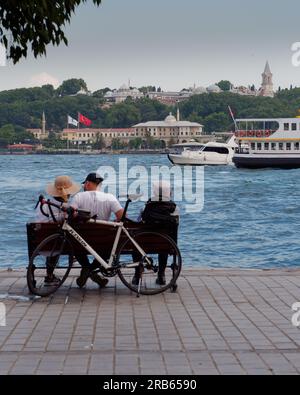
x: 219, y: 322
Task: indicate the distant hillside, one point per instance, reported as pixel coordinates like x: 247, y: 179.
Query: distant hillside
x: 24, y: 107
x: 212, y: 109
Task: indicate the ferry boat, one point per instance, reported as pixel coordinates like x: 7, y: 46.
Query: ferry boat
x: 211, y: 153
x: 273, y: 142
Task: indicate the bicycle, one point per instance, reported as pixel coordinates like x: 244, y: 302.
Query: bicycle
x: 139, y: 253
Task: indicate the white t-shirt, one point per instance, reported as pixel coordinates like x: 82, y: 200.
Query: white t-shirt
x: 98, y: 203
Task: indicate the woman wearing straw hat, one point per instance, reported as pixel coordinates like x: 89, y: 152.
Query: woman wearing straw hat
x: 60, y: 191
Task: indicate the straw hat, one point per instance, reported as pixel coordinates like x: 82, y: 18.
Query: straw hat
x: 62, y: 187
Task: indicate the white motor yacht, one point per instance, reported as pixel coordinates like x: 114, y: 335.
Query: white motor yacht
x: 211, y: 153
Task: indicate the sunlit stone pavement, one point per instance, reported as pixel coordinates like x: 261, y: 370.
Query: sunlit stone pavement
x: 219, y: 322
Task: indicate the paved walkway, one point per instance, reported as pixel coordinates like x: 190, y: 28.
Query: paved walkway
x: 219, y: 322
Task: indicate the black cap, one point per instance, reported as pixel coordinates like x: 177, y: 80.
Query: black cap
x: 94, y: 177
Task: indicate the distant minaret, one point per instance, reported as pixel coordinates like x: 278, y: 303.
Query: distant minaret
x: 267, y: 87
x: 44, y: 123
x: 178, y: 114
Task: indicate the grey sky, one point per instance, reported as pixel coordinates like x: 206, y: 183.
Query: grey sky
x: 170, y: 43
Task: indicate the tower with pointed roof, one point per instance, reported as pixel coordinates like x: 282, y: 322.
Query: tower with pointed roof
x: 178, y: 113
x: 43, y: 123
x: 267, y: 87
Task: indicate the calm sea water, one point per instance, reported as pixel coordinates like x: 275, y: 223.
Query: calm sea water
x: 250, y: 218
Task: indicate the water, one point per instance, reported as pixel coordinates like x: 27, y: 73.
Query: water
x: 250, y: 218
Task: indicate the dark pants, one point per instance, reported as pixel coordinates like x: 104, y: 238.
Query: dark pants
x: 172, y: 232
x: 51, y: 263
x: 83, y: 260
x: 162, y: 263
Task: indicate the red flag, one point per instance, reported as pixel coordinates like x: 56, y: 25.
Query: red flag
x: 84, y: 120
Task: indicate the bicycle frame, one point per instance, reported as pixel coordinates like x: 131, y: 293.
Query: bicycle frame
x: 121, y: 228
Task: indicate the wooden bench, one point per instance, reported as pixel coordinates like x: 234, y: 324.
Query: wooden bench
x: 101, y: 237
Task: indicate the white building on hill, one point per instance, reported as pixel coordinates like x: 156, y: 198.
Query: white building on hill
x: 266, y: 89
x: 121, y: 94
x: 171, y: 130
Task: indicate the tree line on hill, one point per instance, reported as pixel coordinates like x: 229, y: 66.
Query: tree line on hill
x: 23, y: 108
x: 10, y: 134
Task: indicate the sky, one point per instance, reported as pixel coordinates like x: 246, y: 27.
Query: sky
x: 169, y: 43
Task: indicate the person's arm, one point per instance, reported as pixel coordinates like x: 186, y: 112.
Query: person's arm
x: 116, y: 208
x: 75, y: 202
x: 119, y: 214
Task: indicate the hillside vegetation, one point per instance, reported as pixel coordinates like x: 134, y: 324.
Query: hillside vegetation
x: 23, y: 108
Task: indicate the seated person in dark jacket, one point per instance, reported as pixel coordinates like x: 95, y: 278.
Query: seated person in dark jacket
x: 160, y: 209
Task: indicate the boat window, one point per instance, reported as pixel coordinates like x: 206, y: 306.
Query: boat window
x: 258, y: 125
x: 294, y: 126
x: 259, y: 146
x: 288, y: 146
x: 253, y: 146
x: 179, y: 149
x: 286, y: 126
x: 267, y: 147
x: 296, y: 146
x: 199, y: 148
x: 280, y: 146
x: 273, y: 146
x: 219, y: 150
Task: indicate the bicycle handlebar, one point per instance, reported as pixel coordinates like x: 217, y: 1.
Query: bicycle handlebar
x: 132, y: 197
x: 71, y: 210
x: 42, y: 201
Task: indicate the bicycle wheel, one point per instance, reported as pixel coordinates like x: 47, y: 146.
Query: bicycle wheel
x: 49, y: 266
x: 157, y: 277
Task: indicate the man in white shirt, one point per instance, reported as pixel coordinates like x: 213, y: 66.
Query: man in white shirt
x: 102, y: 205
